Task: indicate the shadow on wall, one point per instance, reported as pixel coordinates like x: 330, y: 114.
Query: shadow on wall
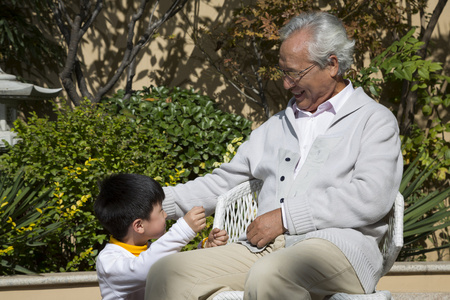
x: 172, y: 59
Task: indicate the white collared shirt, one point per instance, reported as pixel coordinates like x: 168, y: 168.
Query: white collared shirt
x: 311, y: 125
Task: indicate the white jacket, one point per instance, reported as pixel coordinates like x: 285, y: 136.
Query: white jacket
x: 122, y: 275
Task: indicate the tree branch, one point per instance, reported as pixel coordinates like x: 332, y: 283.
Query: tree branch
x: 132, y: 51
x: 426, y: 35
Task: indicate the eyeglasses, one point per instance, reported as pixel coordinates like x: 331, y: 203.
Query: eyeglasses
x: 295, y: 75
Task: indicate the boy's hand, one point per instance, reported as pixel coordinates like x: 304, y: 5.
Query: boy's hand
x: 216, y: 237
x: 196, y: 218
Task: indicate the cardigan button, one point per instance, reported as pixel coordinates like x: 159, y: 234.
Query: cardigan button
x: 281, y: 200
x: 282, y: 178
x: 287, y: 159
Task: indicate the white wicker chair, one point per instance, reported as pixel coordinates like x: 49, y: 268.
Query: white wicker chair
x: 237, y: 208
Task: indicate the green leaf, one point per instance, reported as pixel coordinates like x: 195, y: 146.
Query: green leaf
x: 424, y: 73
x: 427, y: 110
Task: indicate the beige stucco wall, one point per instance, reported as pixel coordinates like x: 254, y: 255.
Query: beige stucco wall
x: 170, y: 59
x: 177, y: 62
x: 70, y: 293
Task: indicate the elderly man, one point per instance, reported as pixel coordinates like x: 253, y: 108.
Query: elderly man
x: 331, y: 165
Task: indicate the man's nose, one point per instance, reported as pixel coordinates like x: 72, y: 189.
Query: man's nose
x: 288, y: 83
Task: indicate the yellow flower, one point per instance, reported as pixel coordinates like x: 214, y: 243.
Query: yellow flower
x: 87, y: 163
x: 9, y: 249
x: 39, y: 210
x: 10, y: 220
x: 3, y: 204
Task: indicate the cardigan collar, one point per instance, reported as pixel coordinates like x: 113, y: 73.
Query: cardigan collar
x: 357, y: 100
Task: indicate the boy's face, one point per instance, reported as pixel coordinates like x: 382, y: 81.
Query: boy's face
x: 155, y: 227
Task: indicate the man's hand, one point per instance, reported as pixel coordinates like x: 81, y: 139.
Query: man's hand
x: 265, y: 228
x: 196, y: 218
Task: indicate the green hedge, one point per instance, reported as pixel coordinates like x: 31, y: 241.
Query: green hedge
x: 191, y: 122
x: 70, y: 155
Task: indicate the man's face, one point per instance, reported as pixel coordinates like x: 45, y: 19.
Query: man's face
x: 315, y: 85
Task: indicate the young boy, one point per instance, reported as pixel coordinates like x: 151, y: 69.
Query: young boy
x: 129, y: 206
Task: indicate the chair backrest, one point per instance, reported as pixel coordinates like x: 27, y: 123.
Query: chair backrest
x: 237, y: 208
x: 392, y: 243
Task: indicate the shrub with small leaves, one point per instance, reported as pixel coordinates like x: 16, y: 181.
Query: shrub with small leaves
x: 199, y: 131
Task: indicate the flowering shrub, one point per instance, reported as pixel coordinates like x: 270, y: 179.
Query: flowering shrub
x: 71, y: 154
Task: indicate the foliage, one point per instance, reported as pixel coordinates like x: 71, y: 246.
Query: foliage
x: 425, y: 187
x: 89, y: 141
x: 27, y: 216
x: 429, y: 145
x: 192, y: 122
x: 427, y: 210
x: 71, y: 154
x: 403, y: 71
x: 21, y: 42
x: 246, y: 51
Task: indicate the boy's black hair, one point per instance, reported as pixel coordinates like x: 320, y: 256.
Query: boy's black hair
x: 124, y: 198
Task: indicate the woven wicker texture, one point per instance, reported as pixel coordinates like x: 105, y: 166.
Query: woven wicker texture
x: 237, y: 208
x: 230, y: 295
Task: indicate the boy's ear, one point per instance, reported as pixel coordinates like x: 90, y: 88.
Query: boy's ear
x: 137, y: 226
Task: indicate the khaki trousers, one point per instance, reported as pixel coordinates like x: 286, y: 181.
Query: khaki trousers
x: 311, y: 269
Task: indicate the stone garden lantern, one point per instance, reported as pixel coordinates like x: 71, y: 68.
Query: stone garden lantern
x: 12, y: 92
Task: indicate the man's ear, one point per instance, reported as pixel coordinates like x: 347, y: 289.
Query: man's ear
x: 137, y: 226
x: 333, y: 65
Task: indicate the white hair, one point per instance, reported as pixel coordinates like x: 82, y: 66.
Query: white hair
x: 328, y: 37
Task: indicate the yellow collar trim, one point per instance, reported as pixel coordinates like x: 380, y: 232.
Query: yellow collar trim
x: 135, y: 250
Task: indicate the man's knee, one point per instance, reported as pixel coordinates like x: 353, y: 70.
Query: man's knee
x: 262, y: 273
